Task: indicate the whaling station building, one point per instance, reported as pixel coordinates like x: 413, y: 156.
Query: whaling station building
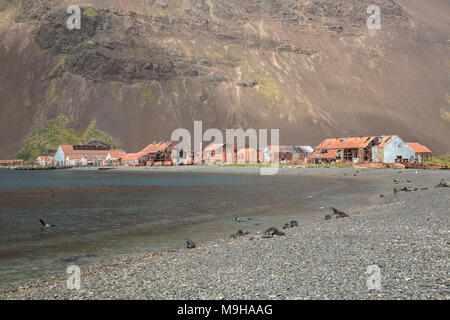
x: 375, y: 149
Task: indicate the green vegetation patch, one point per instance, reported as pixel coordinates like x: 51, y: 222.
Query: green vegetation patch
x: 148, y: 95
x: 441, y: 160
x: 89, y: 10
x: 54, y: 133
x: 269, y: 87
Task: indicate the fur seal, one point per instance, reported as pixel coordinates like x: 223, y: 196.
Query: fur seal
x: 286, y: 226
x: 328, y: 217
x: 294, y: 224
x: 189, y: 244
x: 240, y: 233
x: 338, y: 213
x: 443, y: 184
x: 274, y: 231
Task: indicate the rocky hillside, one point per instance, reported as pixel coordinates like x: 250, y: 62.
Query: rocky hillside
x: 141, y: 68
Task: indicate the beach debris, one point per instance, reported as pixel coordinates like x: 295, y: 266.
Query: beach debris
x: 240, y: 233
x: 424, y: 188
x: 338, y: 213
x: 443, y: 184
x: 46, y: 225
x: 328, y: 217
x: 189, y: 244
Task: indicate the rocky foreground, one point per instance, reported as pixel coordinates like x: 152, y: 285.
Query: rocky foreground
x: 407, y: 237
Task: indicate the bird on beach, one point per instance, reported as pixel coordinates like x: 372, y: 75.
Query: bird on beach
x: 46, y: 225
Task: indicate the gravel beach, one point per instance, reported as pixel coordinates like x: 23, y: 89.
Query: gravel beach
x: 406, y: 235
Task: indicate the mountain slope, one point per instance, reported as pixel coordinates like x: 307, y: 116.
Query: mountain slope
x: 141, y: 68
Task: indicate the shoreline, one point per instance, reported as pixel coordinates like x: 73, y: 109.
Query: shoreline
x: 54, y: 288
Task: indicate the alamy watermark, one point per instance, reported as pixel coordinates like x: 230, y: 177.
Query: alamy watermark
x: 74, y: 279
x: 374, y: 279
x: 374, y: 20
x: 74, y: 21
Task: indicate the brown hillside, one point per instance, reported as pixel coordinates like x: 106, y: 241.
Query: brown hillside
x: 142, y: 68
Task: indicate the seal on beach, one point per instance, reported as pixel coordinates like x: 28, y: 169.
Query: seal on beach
x: 189, y: 244
x: 328, y: 217
x: 286, y: 226
x: 274, y: 231
x: 338, y: 213
x: 443, y: 184
x: 294, y: 224
x: 46, y: 225
x: 261, y: 235
x: 240, y: 233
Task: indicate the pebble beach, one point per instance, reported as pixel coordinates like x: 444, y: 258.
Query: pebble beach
x: 404, y: 234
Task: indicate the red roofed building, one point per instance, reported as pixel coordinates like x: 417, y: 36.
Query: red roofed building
x: 421, y: 150
x: 379, y: 149
x: 157, y: 152
x: 44, y: 160
x: 14, y: 162
x: 73, y: 155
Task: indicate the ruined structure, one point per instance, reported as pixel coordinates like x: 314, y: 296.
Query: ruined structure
x: 377, y: 149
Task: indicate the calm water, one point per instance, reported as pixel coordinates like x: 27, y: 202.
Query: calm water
x: 100, y: 214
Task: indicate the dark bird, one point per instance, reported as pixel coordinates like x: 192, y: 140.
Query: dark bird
x: 46, y: 225
x: 340, y: 214
x: 190, y: 244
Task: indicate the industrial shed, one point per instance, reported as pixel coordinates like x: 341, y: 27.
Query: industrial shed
x: 377, y: 149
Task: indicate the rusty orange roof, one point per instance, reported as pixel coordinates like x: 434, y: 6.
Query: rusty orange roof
x: 418, y: 148
x: 116, y: 154
x: 44, y: 157
x: 331, y: 154
x: 345, y: 143
x: 11, y: 161
x: 385, y: 141
x: 156, y: 147
x: 132, y: 156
